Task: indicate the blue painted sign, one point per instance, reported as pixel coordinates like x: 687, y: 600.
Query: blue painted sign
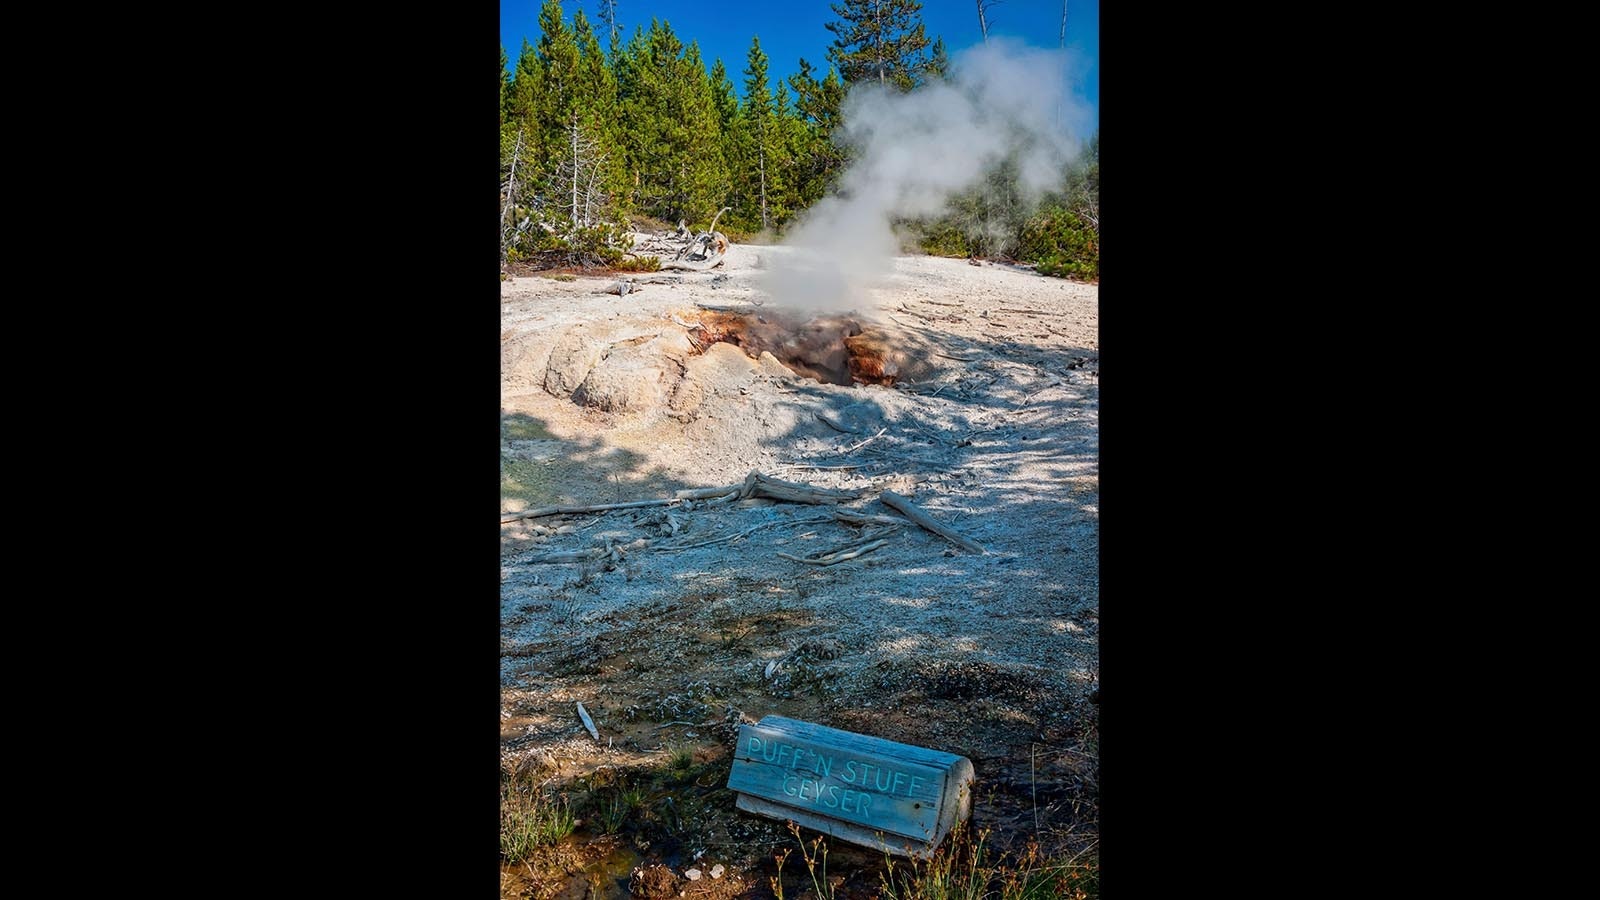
x: 877, y: 785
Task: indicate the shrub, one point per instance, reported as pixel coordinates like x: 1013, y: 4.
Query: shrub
x: 1061, y: 244
x: 639, y: 264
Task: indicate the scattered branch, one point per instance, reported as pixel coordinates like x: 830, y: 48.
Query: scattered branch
x: 917, y: 515
x: 869, y: 440
x: 837, y: 557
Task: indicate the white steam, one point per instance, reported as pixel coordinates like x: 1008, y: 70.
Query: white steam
x: 912, y: 152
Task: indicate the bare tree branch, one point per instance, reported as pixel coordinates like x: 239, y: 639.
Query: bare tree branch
x: 983, y: 23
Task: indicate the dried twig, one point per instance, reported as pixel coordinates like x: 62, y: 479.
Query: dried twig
x: 810, y: 466
x: 835, y: 558
x: 855, y: 447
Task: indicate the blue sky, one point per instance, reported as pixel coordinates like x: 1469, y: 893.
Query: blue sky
x: 792, y: 30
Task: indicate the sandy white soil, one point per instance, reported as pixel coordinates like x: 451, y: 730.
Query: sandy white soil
x: 917, y: 641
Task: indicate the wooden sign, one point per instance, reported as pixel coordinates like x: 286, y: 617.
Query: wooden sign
x: 881, y: 794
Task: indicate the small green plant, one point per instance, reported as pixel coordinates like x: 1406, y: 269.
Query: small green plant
x: 957, y: 871
x: 617, y: 806
x: 562, y: 276
x: 680, y: 757
x: 776, y: 881
x: 954, y: 871
x: 815, y: 854
x: 638, y: 264
x: 529, y: 819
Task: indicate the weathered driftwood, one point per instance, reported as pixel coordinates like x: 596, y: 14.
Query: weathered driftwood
x: 838, y: 556
x: 928, y: 522
x: 868, y: 519
x: 738, y: 535
x: 759, y: 485
x: 564, y: 556
x: 755, y: 485
x: 703, y: 251
x: 694, y: 266
x: 706, y: 493
x: 587, y: 722
x: 591, y: 508
x: 678, y: 497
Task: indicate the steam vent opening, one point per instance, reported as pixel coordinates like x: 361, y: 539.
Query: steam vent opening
x: 830, y: 349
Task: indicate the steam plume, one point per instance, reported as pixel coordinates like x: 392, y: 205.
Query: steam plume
x: 913, y: 152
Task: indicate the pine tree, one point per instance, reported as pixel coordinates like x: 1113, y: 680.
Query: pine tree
x: 505, y: 79
x: 879, y: 40
x: 763, y: 136
x: 596, y: 91
x: 520, y: 96
x: 938, y: 61
x: 723, y: 97
x: 556, y: 94
x: 707, y: 182
x: 787, y: 150
x: 817, y: 158
x: 673, y: 139
x: 732, y: 138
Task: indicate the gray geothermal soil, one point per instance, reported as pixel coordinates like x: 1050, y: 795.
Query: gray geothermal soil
x: 691, y: 622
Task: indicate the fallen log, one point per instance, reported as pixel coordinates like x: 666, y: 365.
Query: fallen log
x: 543, y: 511
x: 759, y: 485
x: 688, y: 266
x: 564, y: 556
x: 676, y: 498
x: 921, y: 518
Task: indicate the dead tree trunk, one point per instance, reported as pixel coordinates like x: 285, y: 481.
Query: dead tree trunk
x: 983, y: 23
x: 511, y: 196
x: 575, y: 171
x: 1063, y: 73
x: 762, y: 156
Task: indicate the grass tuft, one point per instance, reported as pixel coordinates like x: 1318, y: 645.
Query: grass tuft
x: 530, y: 819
